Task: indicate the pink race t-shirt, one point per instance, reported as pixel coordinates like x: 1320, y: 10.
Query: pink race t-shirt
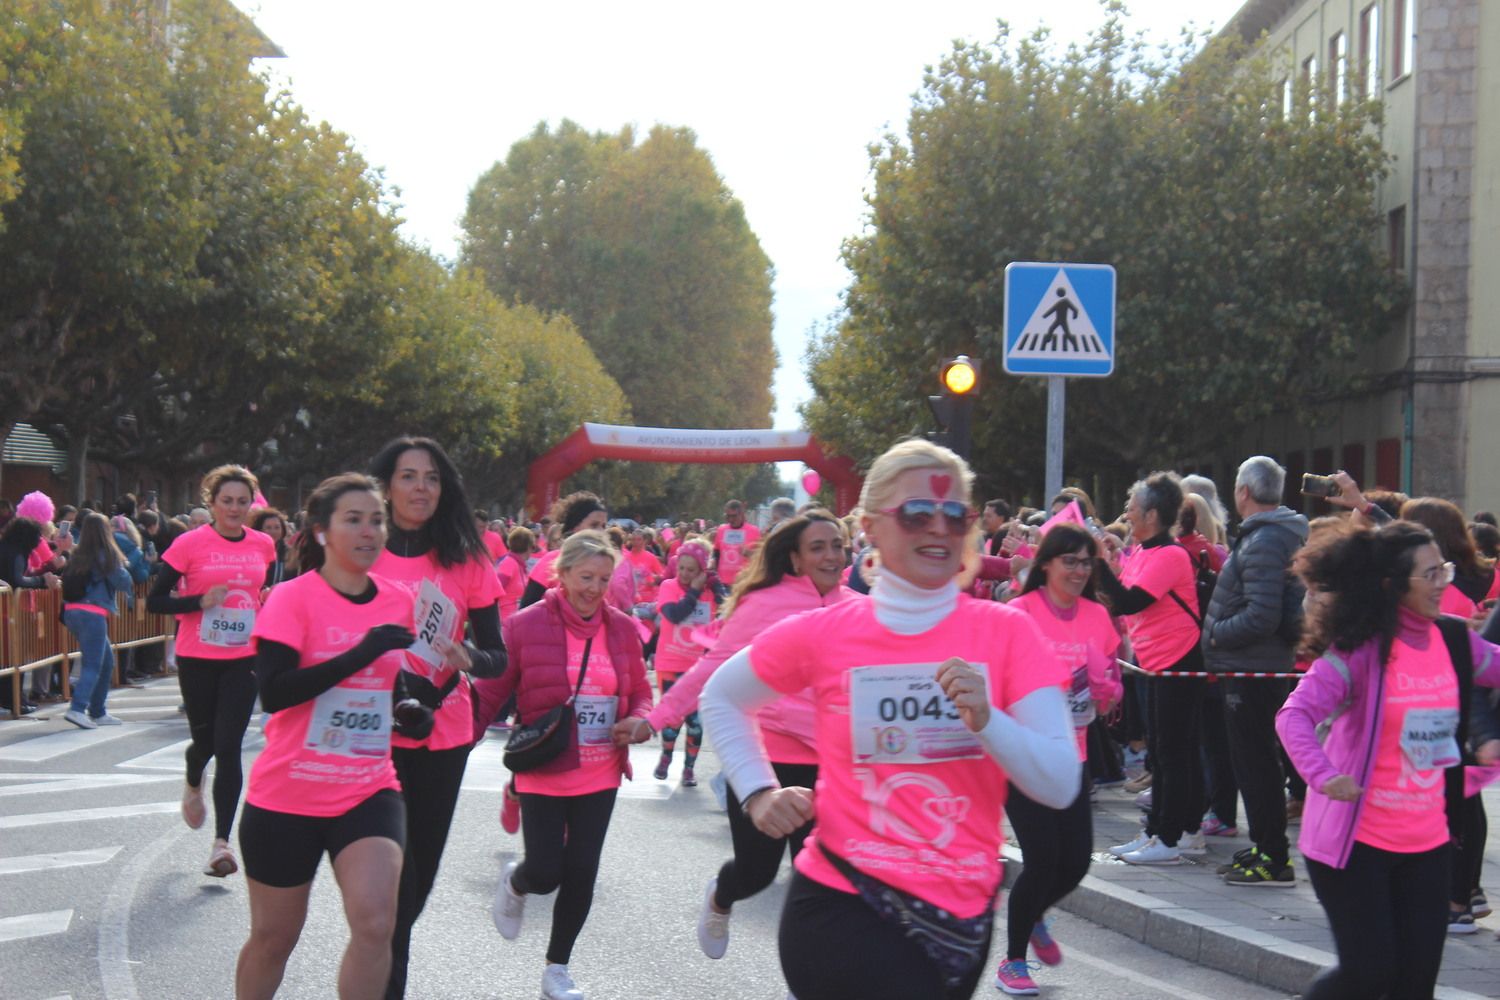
x: 1455, y: 602
x: 676, y: 652
x: 206, y: 559
x: 731, y: 544
x: 646, y: 568
x: 594, y: 716
x: 1164, y: 632
x: 512, y: 576
x: 326, y: 756
x: 40, y: 558
x: 1086, y: 629
x: 905, y: 792
x: 495, y: 545
x: 1403, y: 807
x: 543, y: 571
x: 471, y: 584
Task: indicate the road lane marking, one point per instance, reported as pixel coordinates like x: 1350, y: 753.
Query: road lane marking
x: 62, y: 859
x: 487, y: 772
x: 1139, y: 978
x: 34, y: 925
x: 82, y: 815
x: 42, y: 748
x: 33, y: 783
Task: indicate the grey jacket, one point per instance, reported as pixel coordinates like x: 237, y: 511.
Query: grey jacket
x: 1242, y: 628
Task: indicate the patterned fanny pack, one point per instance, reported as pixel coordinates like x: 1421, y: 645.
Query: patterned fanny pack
x: 956, y: 945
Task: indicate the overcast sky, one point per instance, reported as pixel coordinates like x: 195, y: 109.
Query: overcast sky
x: 785, y: 97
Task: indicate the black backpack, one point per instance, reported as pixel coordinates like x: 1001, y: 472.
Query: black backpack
x: 1204, y: 581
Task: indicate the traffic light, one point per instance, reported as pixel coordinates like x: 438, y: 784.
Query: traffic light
x: 958, y: 377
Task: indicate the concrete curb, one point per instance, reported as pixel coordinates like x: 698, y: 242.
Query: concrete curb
x: 1199, y: 938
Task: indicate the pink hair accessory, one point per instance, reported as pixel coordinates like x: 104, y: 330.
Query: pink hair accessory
x: 37, y: 506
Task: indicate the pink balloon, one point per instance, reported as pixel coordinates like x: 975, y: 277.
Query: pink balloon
x: 811, y: 481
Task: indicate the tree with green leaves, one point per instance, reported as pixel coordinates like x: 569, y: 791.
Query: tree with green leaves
x: 1250, y: 276
x: 643, y: 247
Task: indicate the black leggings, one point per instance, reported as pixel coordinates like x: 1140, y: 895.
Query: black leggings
x: 757, y: 857
x: 564, y: 836
x: 834, y: 947
x: 1468, y: 860
x: 219, y: 696
x: 1178, y: 792
x: 1056, y: 845
x: 430, y: 780
x: 1389, y: 918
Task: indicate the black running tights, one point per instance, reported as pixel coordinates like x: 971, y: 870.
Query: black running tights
x: 1055, y: 845
x: 564, y: 837
x: 219, y: 695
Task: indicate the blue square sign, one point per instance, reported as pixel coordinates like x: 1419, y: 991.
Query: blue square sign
x: 1059, y: 319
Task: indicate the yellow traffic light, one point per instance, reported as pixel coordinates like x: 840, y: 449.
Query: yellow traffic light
x: 959, y: 376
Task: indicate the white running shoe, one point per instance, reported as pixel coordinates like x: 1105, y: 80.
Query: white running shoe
x: 1153, y: 853
x: 1140, y: 841
x: 1193, y: 846
x: 720, y: 786
x: 558, y: 985
x: 508, y: 909
x: 194, y: 809
x: 107, y: 720
x: 80, y: 719
x: 713, y: 926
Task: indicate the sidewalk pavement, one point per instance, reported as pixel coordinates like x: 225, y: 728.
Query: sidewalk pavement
x: 1277, y: 937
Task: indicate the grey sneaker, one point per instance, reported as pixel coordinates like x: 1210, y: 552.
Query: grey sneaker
x: 558, y: 985
x: 79, y: 719
x: 107, y: 720
x: 508, y: 909
x: 713, y: 926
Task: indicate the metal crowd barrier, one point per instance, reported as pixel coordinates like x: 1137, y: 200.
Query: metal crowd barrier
x: 33, y: 637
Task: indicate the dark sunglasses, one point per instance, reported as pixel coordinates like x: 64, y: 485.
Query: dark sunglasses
x: 916, y: 515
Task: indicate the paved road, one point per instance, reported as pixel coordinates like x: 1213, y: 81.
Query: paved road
x: 101, y: 894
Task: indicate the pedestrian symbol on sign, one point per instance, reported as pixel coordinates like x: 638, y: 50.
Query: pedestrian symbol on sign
x: 1059, y: 319
x: 1040, y: 336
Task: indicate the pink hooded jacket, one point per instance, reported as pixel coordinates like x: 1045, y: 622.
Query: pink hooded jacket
x: 793, y: 715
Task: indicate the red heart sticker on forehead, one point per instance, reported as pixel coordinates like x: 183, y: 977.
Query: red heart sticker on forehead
x: 940, y: 485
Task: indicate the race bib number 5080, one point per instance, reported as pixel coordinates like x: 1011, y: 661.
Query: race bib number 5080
x: 899, y: 715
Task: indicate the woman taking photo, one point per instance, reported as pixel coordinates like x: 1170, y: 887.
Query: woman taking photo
x: 96, y: 572
x: 1384, y: 785
x: 1056, y: 843
x: 432, y: 537
x: 571, y: 641
x: 1157, y: 593
x: 220, y: 571
x: 325, y: 782
x: 798, y: 568
x: 926, y: 702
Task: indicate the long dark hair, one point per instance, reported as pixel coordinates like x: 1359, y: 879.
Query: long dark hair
x: 320, y: 507
x: 96, y: 552
x: 772, y: 562
x: 24, y: 533
x: 258, y: 521
x: 455, y: 539
x: 1360, y: 577
x: 1446, y: 522
x: 1061, y: 540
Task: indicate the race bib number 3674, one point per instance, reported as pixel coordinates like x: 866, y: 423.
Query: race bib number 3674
x: 899, y: 715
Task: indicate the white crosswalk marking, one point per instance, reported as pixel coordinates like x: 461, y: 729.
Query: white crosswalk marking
x: 81, y: 815
x: 32, y: 925
x: 65, y: 859
x: 35, y: 783
x: 44, y: 748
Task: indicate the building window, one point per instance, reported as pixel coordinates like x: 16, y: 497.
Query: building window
x: 1338, y: 67
x: 1353, y: 461
x: 1403, y: 37
x: 1395, y: 235
x: 1310, y: 81
x: 1287, y: 91
x: 1387, y: 464
x: 1369, y: 52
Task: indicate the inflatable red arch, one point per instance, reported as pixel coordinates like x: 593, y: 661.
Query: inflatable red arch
x: 671, y: 444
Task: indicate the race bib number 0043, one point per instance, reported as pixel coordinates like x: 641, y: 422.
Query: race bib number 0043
x: 899, y: 715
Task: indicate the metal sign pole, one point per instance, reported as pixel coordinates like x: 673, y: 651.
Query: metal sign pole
x: 1057, y: 395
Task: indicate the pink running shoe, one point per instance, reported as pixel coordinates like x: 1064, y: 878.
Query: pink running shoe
x: 1042, y: 944
x: 1215, y: 827
x: 1014, y: 977
x: 510, y: 811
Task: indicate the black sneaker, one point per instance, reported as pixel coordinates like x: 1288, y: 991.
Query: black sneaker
x: 1261, y: 870
x: 1239, y: 858
x: 1461, y: 922
x: 1479, y: 905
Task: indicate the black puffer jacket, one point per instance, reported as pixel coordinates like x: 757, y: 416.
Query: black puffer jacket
x: 1244, y: 626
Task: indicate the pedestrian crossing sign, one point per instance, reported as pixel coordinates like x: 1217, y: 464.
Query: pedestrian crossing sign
x: 1059, y: 319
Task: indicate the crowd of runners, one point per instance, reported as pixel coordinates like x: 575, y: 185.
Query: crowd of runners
x: 881, y: 690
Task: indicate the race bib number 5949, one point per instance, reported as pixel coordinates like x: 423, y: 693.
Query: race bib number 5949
x: 899, y: 715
